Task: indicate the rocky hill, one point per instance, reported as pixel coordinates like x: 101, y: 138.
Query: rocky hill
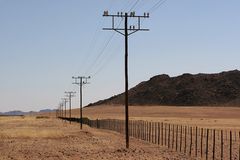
x: 222, y: 89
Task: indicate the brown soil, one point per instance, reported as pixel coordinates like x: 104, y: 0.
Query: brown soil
x: 209, y: 117
x: 33, y: 139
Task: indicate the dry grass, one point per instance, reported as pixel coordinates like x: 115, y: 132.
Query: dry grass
x: 211, y: 117
x: 28, y: 127
x: 53, y: 139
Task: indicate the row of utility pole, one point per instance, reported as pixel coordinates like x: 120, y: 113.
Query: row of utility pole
x: 62, y: 109
x: 126, y: 31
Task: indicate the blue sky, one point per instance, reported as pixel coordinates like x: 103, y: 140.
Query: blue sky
x: 43, y: 43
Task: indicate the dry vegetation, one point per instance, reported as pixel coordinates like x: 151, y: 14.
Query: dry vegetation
x: 48, y: 138
x: 210, y: 117
x: 30, y: 138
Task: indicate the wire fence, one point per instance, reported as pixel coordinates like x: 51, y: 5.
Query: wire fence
x: 203, y: 143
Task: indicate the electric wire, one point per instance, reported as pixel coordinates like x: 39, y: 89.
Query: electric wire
x: 157, y: 5
x: 95, y: 62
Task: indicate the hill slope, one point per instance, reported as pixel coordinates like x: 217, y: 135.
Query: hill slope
x: 185, y: 90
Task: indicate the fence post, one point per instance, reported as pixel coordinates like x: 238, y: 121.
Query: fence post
x: 146, y: 131
x: 150, y: 128
x: 181, y: 139
x: 230, y: 145
x: 190, y: 150
x: 153, y: 132
x: 177, y: 138
x: 159, y: 133
x: 238, y: 146
x: 201, y: 141
x: 207, y: 144
x: 169, y: 130
x: 185, y: 140
x: 156, y: 135
x: 162, y: 133
x: 196, y: 141
x: 221, y: 144
x: 214, y: 143
x: 165, y: 128
x: 172, y: 136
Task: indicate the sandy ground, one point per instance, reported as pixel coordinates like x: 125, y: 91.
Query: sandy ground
x: 40, y: 139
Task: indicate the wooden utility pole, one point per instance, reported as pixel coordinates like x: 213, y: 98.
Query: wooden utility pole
x: 70, y: 95
x: 80, y: 81
x: 65, y: 100
x: 126, y: 31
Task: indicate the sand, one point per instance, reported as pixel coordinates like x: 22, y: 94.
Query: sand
x: 53, y: 139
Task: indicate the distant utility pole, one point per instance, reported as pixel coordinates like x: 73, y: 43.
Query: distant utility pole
x: 65, y: 100
x: 57, y: 112
x: 61, y: 106
x: 126, y: 31
x: 60, y: 110
x: 80, y: 81
x: 70, y: 95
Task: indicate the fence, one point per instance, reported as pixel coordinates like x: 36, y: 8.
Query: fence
x: 196, y: 142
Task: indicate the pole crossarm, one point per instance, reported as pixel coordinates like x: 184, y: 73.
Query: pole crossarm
x: 132, y: 28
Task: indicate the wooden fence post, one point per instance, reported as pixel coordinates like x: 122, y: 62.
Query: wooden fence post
x: 190, y: 150
x: 221, y: 144
x: 156, y: 132
x: 159, y: 125
x: 238, y: 146
x: 201, y: 141
x: 162, y: 133
x: 196, y: 141
x: 153, y: 133
x: 214, y: 144
x: 177, y: 138
x: 185, y: 140
x: 146, y: 129
x: 169, y: 130
x: 207, y: 144
x: 173, y: 136
x: 181, y: 139
x: 165, y: 128
x: 230, y: 145
x: 150, y: 128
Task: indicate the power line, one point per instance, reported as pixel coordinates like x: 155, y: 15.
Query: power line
x: 156, y: 6
x: 134, y: 5
x: 107, y: 60
x: 107, y: 43
x: 93, y: 42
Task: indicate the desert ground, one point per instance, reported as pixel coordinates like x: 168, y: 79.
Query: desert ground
x: 209, y: 117
x: 31, y: 138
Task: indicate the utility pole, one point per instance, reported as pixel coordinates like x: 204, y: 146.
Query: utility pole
x: 70, y: 95
x: 80, y: 81
x: 126, y: 31
x: 61, y: 108
x: 57, y: 113
x: 65, y: 100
